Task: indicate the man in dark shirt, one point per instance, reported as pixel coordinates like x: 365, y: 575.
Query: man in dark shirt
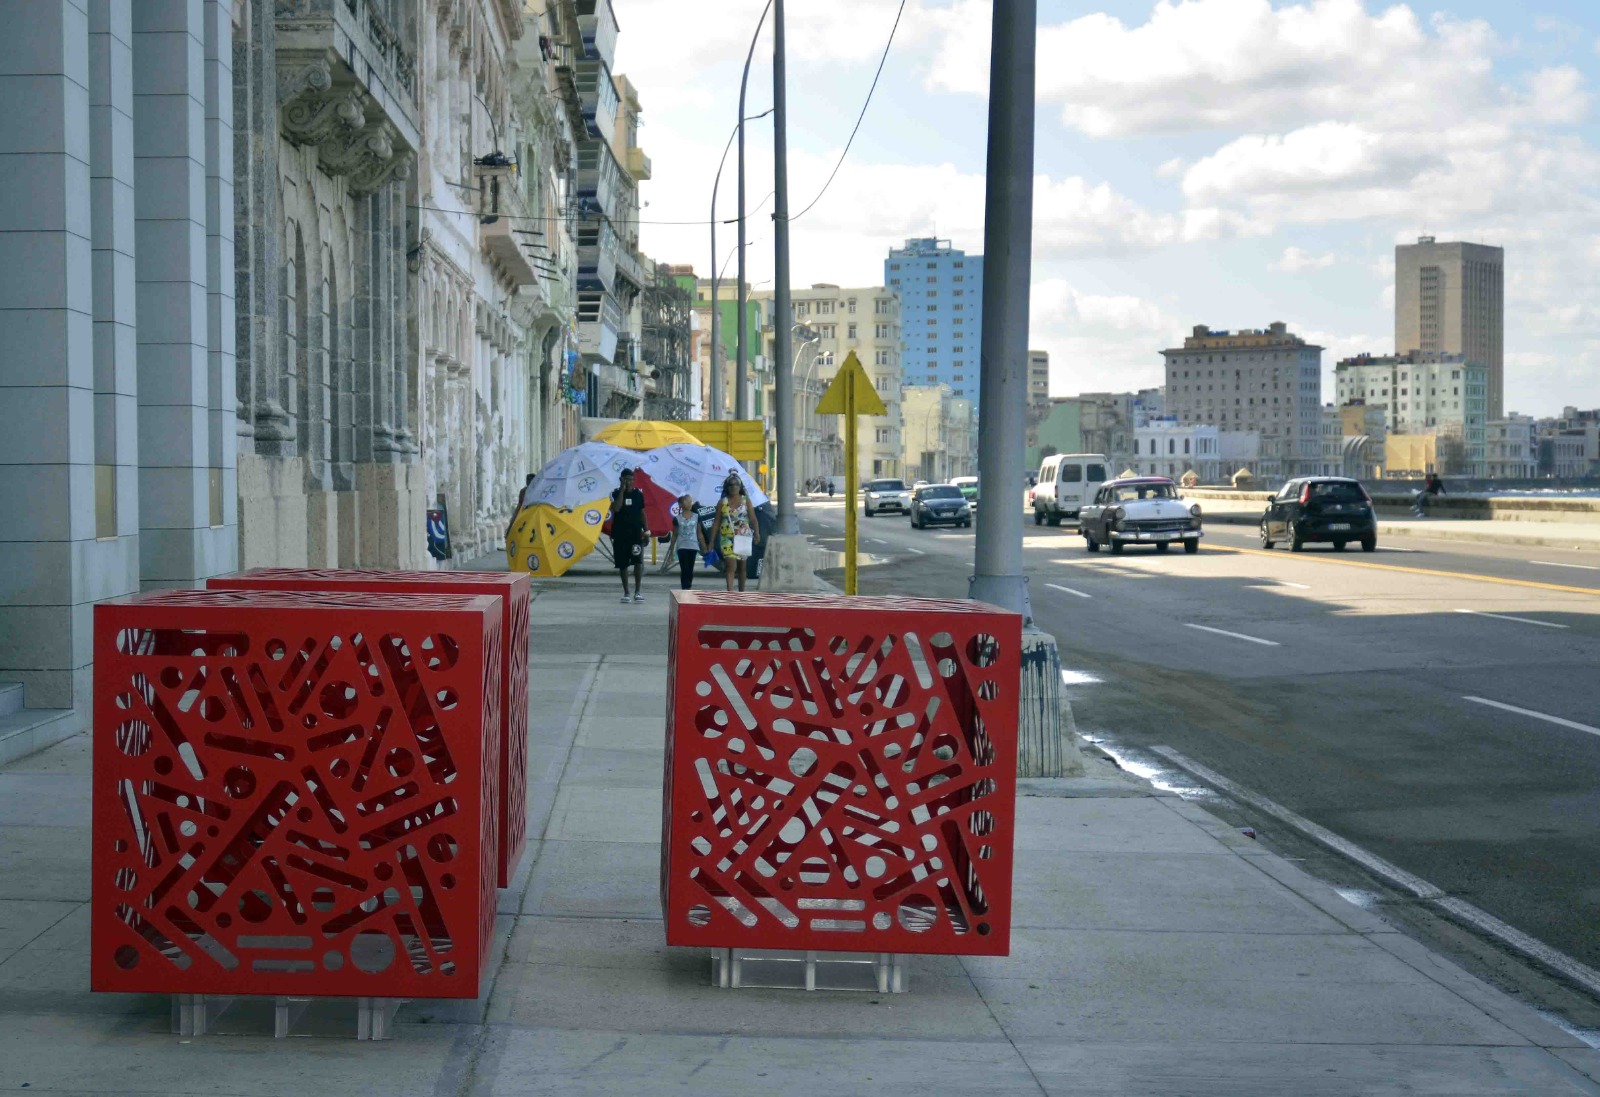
x: 628, y: 535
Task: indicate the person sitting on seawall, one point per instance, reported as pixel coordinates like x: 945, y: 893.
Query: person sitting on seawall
x: 1430, y: 487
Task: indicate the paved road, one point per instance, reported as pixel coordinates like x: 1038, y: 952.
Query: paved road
x: 1437, y: 704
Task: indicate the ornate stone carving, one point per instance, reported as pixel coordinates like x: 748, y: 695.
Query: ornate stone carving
x: 315, y: 78
x: 311, y: 119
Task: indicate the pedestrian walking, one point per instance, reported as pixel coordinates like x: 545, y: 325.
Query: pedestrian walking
x: 736, y: 532
x: 766, y: 523
x: 687, y: 539
x: 628, y: 535
x: 830, y: 487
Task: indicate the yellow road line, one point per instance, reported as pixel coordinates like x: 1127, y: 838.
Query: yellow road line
x: 1472, y: 576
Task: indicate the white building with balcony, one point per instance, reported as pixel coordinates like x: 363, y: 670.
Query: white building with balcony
x: 1166, y: 447
x: 1511, y: 448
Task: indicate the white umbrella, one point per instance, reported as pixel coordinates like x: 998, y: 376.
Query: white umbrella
x: 699, y: 470
x: 582, y: 474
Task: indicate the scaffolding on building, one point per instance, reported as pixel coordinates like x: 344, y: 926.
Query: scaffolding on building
x: 665, y: 308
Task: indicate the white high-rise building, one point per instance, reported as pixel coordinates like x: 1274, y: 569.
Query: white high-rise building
x: 1424, y: 393
x: 1267, y: 381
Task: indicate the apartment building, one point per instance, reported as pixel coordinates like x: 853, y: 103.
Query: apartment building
x: 1449, y: 298
x: 1511, y: 448
x: 940, y: 434
x: 1267, y: 381
x: 941, y: 313
x: 830, y: 321
x: 1425, y: 392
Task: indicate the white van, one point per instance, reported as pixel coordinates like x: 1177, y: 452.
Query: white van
x: 1067, y: 481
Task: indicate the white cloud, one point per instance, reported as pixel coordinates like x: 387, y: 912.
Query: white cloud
x: 1294, y: 260
x: 1098, y: 342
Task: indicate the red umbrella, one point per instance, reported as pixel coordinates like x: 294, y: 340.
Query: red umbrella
x: 659, y: 505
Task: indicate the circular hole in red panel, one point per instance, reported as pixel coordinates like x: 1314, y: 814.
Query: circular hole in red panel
x: 699, y: 915
x: 918, y: 913
x: 983, y: 650
x: 988, y: 691
x: 126, y: 957
x: 400, y: 762
x: 338, y: 700
x: 447, y: 881
x: 239, y: 782
x: 322, y: 899
x: 126, y: 879
x: 255, y: 906
x: 212, y: 709
x: 333, y: 961
x: 442, y: 848
x: 447, y: 699
x: 442, y: 652
x: 372, y: 951
x: 171, y: 677
x: 276, y: 649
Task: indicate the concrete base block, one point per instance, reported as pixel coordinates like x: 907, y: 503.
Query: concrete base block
x: 786, y: 568
x: 1047, y: 735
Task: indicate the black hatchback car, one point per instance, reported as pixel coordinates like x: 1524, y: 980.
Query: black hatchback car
x: 1320, y: 508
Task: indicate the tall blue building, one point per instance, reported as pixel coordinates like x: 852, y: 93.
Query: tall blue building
x: 941, y: 313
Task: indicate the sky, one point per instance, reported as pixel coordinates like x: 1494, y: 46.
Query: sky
x: 1219, y: 162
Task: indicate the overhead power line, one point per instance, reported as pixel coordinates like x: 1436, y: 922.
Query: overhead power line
x: 859, y: 117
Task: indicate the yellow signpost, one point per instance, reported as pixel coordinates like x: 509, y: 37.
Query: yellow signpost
x: 850, y: 394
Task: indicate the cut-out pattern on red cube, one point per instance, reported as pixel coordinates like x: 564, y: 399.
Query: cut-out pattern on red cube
x: 295, y: 793
x: 840, y: 773
x: 515, y: 589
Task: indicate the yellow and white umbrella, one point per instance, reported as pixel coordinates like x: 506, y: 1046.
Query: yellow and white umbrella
x: 644, y: 434
x: 547, y: 540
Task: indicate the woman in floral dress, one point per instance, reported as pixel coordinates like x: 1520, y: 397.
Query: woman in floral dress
x: 734, y: 520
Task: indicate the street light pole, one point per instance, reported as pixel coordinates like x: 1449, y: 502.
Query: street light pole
x: 783, y: 395
x: 1007, y: 257
x: 741, y: 395
x: 714, y: 412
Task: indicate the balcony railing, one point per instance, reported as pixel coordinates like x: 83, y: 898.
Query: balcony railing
x: 599, y: 26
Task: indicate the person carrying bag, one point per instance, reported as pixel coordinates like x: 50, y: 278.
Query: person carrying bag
x: 736, y: 533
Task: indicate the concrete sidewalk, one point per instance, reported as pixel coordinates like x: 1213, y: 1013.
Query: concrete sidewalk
x: 1156, y: 951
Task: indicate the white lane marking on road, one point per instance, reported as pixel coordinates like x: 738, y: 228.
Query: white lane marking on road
x: 1078, y: 678
x: 1235, y: 635
x: 1508, y: 617
x: 1557, y: 564
x: 1390, y: 548
x: 1557, y: 720
x: 1578, y: 972
x: 918, y: 551
x: 1285, y: 582
x: 1068, y: 590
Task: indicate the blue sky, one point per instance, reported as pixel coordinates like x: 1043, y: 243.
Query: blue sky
x: 1227, y: 162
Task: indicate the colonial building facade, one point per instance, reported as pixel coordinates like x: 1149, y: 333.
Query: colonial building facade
x: 277, y: 276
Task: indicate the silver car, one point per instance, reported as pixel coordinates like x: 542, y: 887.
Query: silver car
x: 887, y: 495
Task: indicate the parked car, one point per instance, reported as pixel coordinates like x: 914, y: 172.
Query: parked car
x: 937, y: 503
x: 919, y: 484
x: 885, y: 495
x: 1141, y: 510
x: 1066, y: 483
x: 1320, y: 508
x: 968, y: 486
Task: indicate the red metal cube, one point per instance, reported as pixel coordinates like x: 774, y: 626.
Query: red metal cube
x: 295, y: 793
x: 840, y: 773
x: 515, y: 592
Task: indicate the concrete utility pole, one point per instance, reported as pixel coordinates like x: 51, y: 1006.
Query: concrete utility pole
x: 787, y: 565
x: 783, y: 381
x: 1007, y: 259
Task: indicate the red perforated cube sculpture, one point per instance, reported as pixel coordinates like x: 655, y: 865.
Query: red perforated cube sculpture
x: 840, y: 773
x: 295, y: 793
x: 515, y: 591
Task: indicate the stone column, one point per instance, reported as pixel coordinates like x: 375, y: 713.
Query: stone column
x: 259, y: 219
x: 184, y: 534
x: 47, y: 383
x: 364, y: 353
x: 221, y: 330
